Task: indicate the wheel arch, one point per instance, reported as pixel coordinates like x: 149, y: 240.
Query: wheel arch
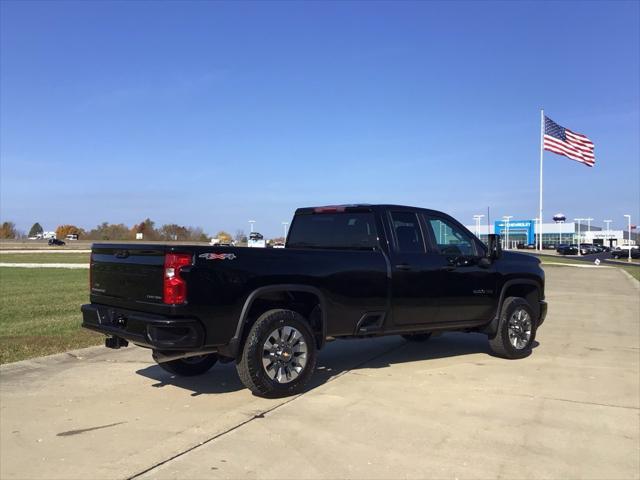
x: 307, y: 300
x: 529, y: 289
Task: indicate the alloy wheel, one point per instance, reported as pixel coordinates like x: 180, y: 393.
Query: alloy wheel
x: 284, y: 354
x: 520, y: 326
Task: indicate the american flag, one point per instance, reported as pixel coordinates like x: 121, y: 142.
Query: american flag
x: 563, y: 141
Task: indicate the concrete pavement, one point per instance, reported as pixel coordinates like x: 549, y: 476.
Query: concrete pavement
x: 378, y: 408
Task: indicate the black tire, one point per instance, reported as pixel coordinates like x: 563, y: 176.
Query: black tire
x: 190, y: 366
x: 417, y: 337
x: 501, y: 343
x: 251, y: 370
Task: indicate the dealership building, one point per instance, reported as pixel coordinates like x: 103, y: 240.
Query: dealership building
x: 525, y: 232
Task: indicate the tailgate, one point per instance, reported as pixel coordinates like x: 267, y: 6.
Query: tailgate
x: 128, y: 272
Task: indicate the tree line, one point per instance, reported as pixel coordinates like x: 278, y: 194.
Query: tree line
x: 120, y: 231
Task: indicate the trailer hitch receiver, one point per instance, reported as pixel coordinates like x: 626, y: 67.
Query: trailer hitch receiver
x: 115, y: 342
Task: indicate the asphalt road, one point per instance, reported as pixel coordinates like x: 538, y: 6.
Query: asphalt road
x: 379, y: 408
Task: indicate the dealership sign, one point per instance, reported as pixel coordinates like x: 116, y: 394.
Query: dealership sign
x: 517, y: 227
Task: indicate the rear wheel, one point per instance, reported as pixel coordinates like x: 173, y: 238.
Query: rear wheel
x: 190, y: 366
x: 417, y: 337
x: 516, y: 329
x: 279, y: 355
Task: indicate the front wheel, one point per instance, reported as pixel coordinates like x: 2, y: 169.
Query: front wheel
x: 516, y: 329
x: 190, y: 366
x: 279, y: 355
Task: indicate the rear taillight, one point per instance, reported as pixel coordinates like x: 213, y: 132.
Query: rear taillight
x: 175, y: 288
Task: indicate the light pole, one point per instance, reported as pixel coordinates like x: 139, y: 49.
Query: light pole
x: 537, y: 224
x: 251, y: 222
x: 629, y: 236
x: 608, y: 222
x: 477, y: 219
x: 590, y: 240
x: 506, y: 219
x: 559, y: 231
x: 284, y: 224
x: 579, y: 220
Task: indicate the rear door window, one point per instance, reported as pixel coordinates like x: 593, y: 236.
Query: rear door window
x: 406, y: 228
x: 334, y: 230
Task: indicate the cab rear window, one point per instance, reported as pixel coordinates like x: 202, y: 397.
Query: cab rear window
x: 334, y: 230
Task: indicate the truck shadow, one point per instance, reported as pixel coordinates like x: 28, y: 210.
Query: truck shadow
x: 337, y: 358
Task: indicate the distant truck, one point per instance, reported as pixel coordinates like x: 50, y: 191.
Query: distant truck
x: 256, y: 240
x: 346, y: 272
x: 221, y: 243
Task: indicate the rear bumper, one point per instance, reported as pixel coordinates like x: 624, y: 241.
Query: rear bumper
x: 543, y: 312
x: 147, y: 330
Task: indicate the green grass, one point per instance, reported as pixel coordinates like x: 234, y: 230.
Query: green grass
x: 44, y: 257
x: 40, y: 312
x: 633, y: 271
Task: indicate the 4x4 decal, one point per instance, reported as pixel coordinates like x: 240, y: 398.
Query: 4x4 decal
x: 218, y: 256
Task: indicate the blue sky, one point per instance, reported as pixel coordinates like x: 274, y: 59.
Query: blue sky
x: 213, y: 113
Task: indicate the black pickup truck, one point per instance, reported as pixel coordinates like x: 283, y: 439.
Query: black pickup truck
x: 347, y: 271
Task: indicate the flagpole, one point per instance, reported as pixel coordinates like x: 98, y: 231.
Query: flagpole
x: 541, y: 160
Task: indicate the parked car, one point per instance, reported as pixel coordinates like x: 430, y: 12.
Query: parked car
x: 54, y: 242
x: 347, y: 271
x: 566, y: 249
x: 624, y: 253
x: 587, y: 249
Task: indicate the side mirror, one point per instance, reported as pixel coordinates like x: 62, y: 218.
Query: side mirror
x: 484, y: 262
x: 495, y: 246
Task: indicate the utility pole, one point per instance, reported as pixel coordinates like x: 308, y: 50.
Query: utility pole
x: 579, y: 220
x: 477, y: 219
x: 608, y: 222
x: 629, y: 236
x: 506, y: 219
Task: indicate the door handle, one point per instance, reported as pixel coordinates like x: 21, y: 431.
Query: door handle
x: 403, y: 266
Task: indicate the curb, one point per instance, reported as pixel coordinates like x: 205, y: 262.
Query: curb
x: 634, y: 281
x: 574, y: 265
x: 80, y: 354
